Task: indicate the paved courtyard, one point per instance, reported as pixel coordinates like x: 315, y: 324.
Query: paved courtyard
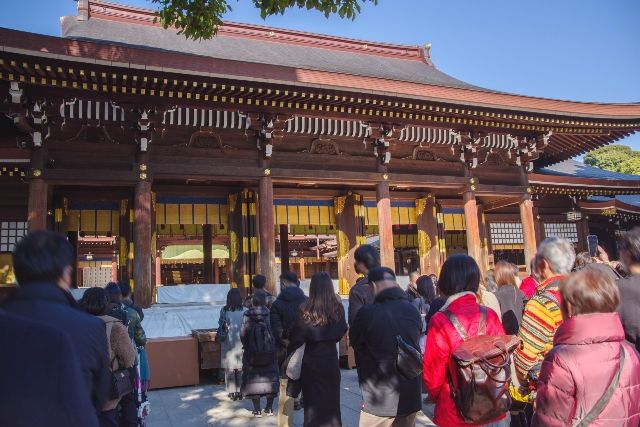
x: 208, y: 405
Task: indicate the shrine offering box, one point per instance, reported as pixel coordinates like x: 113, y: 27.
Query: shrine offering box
x: 173, y: 362
x: 209, y: 349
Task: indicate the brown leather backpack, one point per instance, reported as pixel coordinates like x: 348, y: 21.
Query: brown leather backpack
x: 479, y: 372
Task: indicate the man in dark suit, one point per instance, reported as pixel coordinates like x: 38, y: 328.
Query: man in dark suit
x: 43, y: 265
x: 41, y: 382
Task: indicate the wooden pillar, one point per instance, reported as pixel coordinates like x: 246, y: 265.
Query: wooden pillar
x: 528, y: 229
x: 484, y: 241
x: 37, y: 203
x: 142, y: 264
x: 207, y: 242
x: 284, y: 247
x: 302, y: 272
x: 243, y: 242
x: 474, y: 247
x: 158, y: 269
x: 72, y: 237
x: 216, y: 271
x: 385, y: 225
x: 349, y: 213
x: 124, y: 239
x: 428, y: 236
x: 266, y: 224
x: 114, y: 267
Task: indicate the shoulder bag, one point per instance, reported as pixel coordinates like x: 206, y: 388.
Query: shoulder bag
x: 408, y: 358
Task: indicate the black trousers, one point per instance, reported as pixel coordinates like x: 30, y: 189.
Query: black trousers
x: 108, y: 418
x: 129, y: 410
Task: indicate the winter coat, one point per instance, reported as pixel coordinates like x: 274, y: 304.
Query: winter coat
x: 384, y: 392
x: 442, y: 340
x: 360, y: 295
x: 528, y: 287
x: 434, y: 307
x: 629, y: 308
x: 511, y: 301
x: 231, y: 347
x: 122, y: 354
x: 137, y: 308
x: 540, y: 320
x: 136, y: 332
x: 576, y: 373
x: 257, y: 380
x: 284, y: 314
x: 47, y: 303
x: 419, y: 303
x: 41, y: 380
x: 320, y: 375
x: 489, y: 300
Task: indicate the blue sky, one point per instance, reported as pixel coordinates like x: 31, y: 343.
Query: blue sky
x: 583, y: 50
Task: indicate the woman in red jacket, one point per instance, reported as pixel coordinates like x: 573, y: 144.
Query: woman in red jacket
x: 585, y: 360
x: 459, y: 281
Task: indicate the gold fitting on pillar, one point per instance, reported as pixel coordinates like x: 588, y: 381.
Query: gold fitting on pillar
x: 472, y: 188
x: 385, y: 176
x: 37, y: 172
x: 267, y: 172
x: 49, y: 213
x: 529, y: 190
x: 143, y: 175
x: 143, y: 167
x: 349, y: 192
x: 472, y: 181
x: 537, y: 216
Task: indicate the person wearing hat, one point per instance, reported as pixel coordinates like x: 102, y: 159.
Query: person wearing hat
x: 388, y: 398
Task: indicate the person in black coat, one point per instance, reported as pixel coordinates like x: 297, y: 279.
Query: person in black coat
x: 321, y: 324
x: 43, y: 265
x: 260, y: 373
x: 284, y: 313
x: 366, y: 257
x: 387, y: 396
x: 41, y: 382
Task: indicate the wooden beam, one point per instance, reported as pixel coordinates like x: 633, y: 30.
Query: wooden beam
x: 385, y: 225
x: 502, y: 203
x: 266, y: 225
x: 142, y: 264
x: 528, y: 229
x: 473, y: 230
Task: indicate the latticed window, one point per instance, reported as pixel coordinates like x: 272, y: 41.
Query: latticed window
x: 10, y: 233
x: 565, y: 230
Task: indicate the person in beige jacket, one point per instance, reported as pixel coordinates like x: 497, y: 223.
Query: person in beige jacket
x: 122, y: 354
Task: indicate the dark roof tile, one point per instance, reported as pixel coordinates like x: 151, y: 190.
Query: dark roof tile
x: 580, y: 170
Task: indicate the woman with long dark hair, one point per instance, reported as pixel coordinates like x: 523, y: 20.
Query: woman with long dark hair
x: 228, y: 335
x: 320, y: 326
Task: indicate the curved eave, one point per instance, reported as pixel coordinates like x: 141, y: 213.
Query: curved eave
x: 595, y: 186
x: 608, y: 207
x: 170, y: 62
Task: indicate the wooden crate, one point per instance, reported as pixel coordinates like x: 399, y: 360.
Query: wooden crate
x: 209, y: 351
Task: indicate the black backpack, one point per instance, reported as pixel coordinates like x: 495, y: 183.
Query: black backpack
x: 261, y: 346
x: 120, y: 312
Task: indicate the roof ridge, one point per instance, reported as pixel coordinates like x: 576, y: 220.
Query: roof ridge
x: 106, y: 10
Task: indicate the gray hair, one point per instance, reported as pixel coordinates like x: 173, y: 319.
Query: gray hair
x: 558, y: 253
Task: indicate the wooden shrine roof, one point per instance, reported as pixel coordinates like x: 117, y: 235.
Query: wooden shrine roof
x: 577, y: 169
x: 627, y: 206
x: 117, y: 51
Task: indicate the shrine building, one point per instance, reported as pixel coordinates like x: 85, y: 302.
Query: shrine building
x: 171, y: 161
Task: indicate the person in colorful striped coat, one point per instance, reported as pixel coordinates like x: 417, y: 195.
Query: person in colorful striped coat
x: 542, y: 315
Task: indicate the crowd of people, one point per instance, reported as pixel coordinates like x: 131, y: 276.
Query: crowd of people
x: 67, y: 363
x: 559, y: 348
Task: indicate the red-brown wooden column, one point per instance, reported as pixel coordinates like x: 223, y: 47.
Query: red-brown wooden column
x: 142, y: 264
x: 484, y: 240
x: 349, y: 235
x: 284, y: 247
x: 385, y: 225
x: 428, y: 236
x: 266, y: 225
x: 37, y: 204
x: 528, y: 228
x: 243, y: 240
x: 474, y: 246
x: 207, y: 259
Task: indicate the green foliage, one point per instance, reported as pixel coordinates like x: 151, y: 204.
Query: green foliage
x: 200, y: 19
x: 616, y: 158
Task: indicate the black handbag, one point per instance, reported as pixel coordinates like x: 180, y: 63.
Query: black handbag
x: 408, y: 358
x: 121, y: 383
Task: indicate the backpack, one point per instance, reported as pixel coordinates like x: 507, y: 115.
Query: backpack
x: 261, y: 346
x: 480, y: 372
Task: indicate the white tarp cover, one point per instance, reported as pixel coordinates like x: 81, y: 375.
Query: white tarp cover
x: 169, y: 320
x: 180, y: 294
